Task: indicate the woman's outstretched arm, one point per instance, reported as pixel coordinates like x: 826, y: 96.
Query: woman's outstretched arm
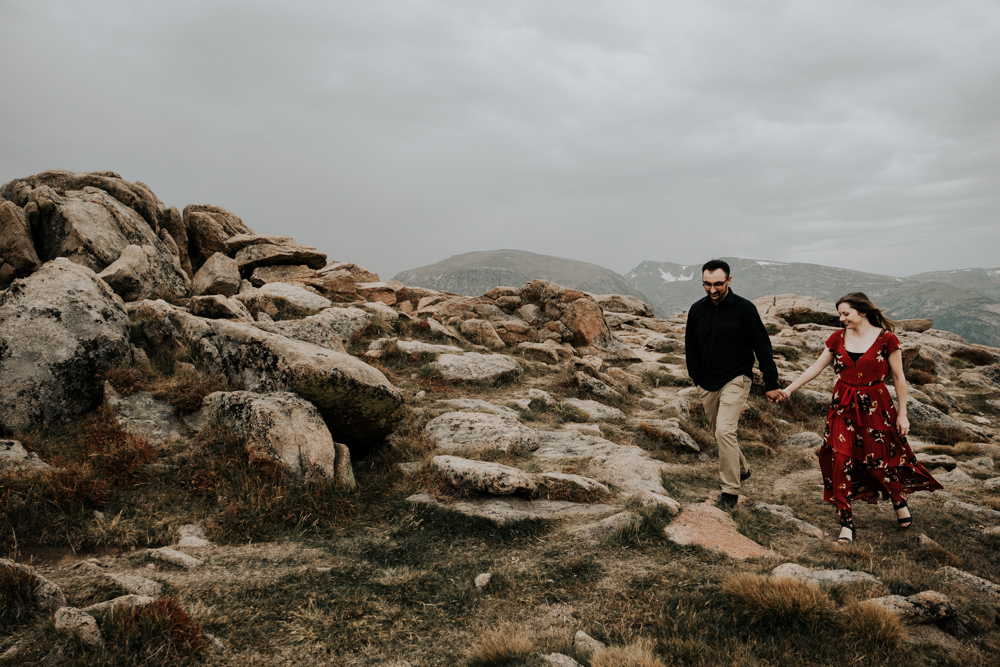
x: 810, y: 373
x: 899, y: 381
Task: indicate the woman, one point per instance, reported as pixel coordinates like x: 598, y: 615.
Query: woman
x: 864, y: 452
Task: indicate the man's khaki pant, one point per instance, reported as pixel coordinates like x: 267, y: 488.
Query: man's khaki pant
x: 723, y: 410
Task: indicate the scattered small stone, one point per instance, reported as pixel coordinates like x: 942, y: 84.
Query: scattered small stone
x: 596, y: 411
x: 651, y: 499
x: 324, y: 570
x: 483, y: 580
x: 81, y: 625
x: 980, y: 464
x: 192, y: 536
x: 584, y: 641
x: 174, y: 557
x: 992, y: 483
x: 560, y: 660
x: 130, y: 601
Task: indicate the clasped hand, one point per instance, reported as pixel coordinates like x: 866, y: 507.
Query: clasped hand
x: 777, y: 396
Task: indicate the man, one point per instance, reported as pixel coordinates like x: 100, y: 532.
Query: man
x: 723, y: 334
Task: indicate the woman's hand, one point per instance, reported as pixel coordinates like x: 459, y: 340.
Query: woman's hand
x: 902, y: 425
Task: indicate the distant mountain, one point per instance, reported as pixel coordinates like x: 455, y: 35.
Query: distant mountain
x: 672, y: 288
x: 474, y: 273
x: 966, y: 301
x: 981, y: 281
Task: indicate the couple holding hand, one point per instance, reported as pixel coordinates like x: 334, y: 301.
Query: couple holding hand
x: 864, y: 454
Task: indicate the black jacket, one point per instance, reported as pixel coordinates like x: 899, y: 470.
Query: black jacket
x: 721, y: 341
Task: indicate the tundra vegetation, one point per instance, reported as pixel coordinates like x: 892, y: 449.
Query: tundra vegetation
x: 478, y: 481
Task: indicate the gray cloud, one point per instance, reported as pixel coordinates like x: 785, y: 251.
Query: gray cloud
x: 855, y: 134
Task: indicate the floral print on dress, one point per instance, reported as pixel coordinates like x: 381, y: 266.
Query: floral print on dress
x: 863, y: 456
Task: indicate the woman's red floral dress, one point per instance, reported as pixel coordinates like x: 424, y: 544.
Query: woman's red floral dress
x: 863, y: 456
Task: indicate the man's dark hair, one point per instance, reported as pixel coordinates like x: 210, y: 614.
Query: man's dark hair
x: 715, y: 265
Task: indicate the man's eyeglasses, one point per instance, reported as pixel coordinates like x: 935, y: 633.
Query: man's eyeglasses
x: 715, y: 285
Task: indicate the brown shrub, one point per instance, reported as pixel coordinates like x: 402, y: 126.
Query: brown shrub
x: 500, y: 647
x: 113, y: 453
x: 185, y: 391
x: 161, y: 630
x: 873, y: 624
x: 639, y: 654
x: 784, y: 601
x: 917, y: 376
x: 17, y: 598
x: 127, y: 380
x: 975, y: 356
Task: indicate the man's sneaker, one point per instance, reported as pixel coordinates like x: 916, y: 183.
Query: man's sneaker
x: 727, y: 501
x: 744, y: 476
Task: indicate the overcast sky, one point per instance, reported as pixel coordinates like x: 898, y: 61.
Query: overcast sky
x: 864, y: 135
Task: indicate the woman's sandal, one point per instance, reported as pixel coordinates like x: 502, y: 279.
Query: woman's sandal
x: 903, y: 521
x: 847, y: 539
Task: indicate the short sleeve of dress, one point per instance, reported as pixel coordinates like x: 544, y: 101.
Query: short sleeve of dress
x: 831, y: 342
x: 891, y: 342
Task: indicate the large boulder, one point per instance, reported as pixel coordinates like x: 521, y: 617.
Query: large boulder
x: 88, y: 226
x: 208, y: 230
x: 794, y: 309
x: 267, y: 254
x: 17, y: 253
x: 136, y: 196
x: 285, y: 428
x: 219, y: 275
x: 173, y: 223
x: 59, y: 328
x: 623, y: 303
x: 359, y: 405
x: 586, y: 320
x: 141, y: 272
x: 298, y: 298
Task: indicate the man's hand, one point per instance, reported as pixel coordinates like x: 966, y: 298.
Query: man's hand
x: 776, y: 396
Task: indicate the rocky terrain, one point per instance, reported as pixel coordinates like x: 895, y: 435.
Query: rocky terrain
x: 222, y: 447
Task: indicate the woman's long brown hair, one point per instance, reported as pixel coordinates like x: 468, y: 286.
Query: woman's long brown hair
x: 860, y: 302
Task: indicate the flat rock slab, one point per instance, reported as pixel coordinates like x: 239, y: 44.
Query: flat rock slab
x: 478, y: 405
x: 512, y: 510
x: 484, y: 476
x: 135, y: 584
x: 983, y: 512
x: 477, y: 368
x: 788, y: 514
x: 627, y: 468
x: 595, y: 532
x: 299, y: 297
x: 983, y: 587
x: 174, y: 557
x: 596, y: 411
x: 462, y: 430
x: 146, y: 416
x: 709, y: 527
x: 830, y: 577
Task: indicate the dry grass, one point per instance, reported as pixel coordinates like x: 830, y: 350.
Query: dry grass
x: 638, y: 654
x: 872, y: 624
x: 17, y: 598
x: 975, y: 356
x: 501, y: 647
x: 763, y: 599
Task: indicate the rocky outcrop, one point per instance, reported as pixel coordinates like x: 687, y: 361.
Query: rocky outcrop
x: 59, y: 328
x: 793, y: 309
x: 358, y: 404
x: 208, y: 229
x: 283, y: 428
x: 142, y: 272
x: 266, y: 254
